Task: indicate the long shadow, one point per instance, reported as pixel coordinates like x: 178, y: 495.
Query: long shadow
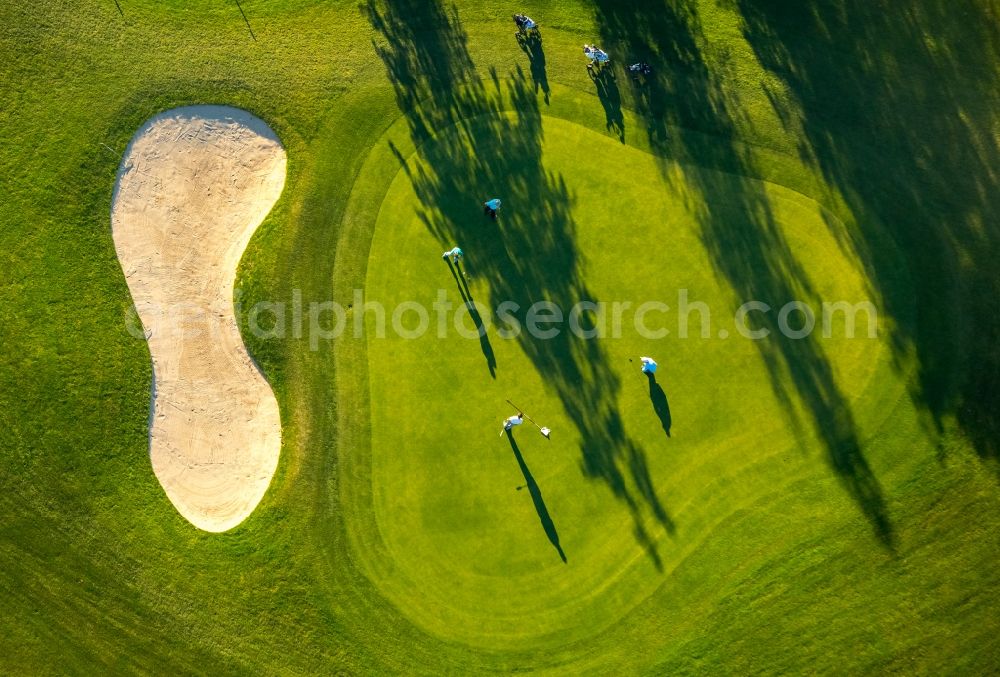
x: 611, y: 99
x: 245, y: 20
x: 660, y: 32
x: 536, y: 497
x: 477, y: 319
x: 489, y: 142
x: 660, y: 404
x: 738, y: 227
x: 901, y: 119
x: 531, y: 45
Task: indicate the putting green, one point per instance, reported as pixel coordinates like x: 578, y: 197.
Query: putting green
x: 447, y: 529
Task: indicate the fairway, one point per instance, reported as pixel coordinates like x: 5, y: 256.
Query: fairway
x: 791, y: 209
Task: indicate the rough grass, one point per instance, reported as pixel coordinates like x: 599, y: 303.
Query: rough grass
x: 880, y: 555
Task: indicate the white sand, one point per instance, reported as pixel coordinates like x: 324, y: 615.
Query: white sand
x: 193, y: 186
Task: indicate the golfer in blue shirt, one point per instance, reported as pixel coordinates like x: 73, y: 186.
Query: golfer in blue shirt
x: 490, y: 207
x: 455, y: 253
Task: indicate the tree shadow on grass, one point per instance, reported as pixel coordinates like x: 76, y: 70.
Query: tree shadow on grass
x: 899, y: 112
x: 659, y: 32
x: 489, y: 143
x: 536, y: 497
x: 738, y: 228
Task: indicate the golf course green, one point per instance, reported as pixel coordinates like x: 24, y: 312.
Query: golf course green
x: 443, y: 498
x: 798, y: 501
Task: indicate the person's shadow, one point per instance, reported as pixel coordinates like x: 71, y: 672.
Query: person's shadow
x: 536, y: 497
x: 611, y: 99
x: 531, y: 44
x: 484, y: 339
x: 660, y: 404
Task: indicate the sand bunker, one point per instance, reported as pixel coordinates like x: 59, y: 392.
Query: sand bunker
x: 193, y: 186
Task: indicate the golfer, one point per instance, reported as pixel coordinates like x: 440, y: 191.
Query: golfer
x: 648, y: 365
x: 455, y: 253
x: 490, y: 207
x: 511, y: 421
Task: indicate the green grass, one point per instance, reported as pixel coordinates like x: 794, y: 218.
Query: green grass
x: 820, y: 505
x: 444, y: 502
